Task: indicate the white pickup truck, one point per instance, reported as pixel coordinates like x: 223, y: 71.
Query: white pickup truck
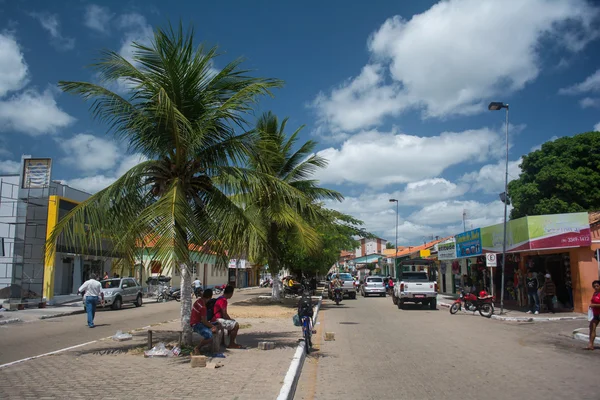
x: 415, y: 287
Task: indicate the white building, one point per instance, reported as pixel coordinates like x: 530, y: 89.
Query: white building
x: 370, y: 246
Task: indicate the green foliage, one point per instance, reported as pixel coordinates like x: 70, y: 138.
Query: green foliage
x: 336, y: 231
x: 389, y: 245
x: 562, y: 177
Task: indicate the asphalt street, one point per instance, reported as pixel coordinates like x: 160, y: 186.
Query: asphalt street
x: 381, y: 352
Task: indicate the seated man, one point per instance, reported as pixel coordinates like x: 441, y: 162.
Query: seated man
x: 222, y: 317
x: 199, y: 322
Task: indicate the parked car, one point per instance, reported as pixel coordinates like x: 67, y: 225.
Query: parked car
x: 415, y: 287
x: 348, y: 289
x: 121, y: 290
x: 373, y: 285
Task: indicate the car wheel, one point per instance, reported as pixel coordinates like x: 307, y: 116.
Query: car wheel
x: 400, y: 304
x: 433, y: 304
x: 138, y: 301
x: 382, y: 294
x: 353, y: 296
x: 116, y: 305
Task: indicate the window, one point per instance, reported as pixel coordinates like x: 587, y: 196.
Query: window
x: 194, y: 269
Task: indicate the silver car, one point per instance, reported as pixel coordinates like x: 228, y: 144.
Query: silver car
x: 373, y: 285
x: 121, y: 290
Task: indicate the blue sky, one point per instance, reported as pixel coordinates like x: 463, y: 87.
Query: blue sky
x: 395, y: 92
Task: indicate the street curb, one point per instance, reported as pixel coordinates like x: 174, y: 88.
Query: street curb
x: 290, y: 382
x: 584, y: 337
x: 10, y: 321
x: 526, y: 319
x: 65, y: 314
x: 248, y: 288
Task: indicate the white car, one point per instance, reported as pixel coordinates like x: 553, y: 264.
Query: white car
x: 373, y: 285
x: 415, y: 287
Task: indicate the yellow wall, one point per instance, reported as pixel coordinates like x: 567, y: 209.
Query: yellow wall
x: 50, y: 256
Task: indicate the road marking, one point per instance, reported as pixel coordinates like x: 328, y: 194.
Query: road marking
x: 46, y: 354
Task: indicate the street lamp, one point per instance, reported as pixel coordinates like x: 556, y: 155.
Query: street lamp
x: 396, y: 246
x: 497, y: 106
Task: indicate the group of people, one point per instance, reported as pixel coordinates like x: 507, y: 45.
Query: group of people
x: 209, y: 315
x: 548, y: 289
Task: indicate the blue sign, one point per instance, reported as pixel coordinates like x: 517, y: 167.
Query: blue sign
x: 468, y: 244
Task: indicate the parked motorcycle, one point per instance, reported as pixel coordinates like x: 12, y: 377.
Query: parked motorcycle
x: 197, y: 291
x: 267, y: 283
x: 296, y: 290
x: 483, y: 303
x: 169, y: 293
x: 219, y: 289
x: 338, y: 295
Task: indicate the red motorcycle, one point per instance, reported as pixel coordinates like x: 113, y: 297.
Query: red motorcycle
x: 483, y: 303
x: 217, y: 290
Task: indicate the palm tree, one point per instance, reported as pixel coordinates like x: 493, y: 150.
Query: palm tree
x: 182, y: 115
x: 276, y: 156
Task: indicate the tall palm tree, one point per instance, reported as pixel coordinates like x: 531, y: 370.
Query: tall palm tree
x: 182, y: 115
x: 278, y: 157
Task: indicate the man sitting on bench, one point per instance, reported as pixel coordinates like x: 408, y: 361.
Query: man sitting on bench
x: 198, y: 320
x: 222, y: 317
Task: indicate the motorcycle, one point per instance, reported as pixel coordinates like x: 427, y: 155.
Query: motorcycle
x: 197, y: 291
x: 219, y: 289
x: 267, y: 283
x: 483, y: 303
x: 295, y: 290
x: 338, y: 295
x: 169, y: 293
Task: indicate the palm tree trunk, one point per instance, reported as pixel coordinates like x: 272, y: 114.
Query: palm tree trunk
x: 274, y: 266
x: 186, y: 303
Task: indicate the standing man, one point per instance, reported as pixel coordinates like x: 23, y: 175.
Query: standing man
x: 222, y: 317
x: 92, y: 292
x: 198, y: 320
x: 197, y: 286
x: 533, y: 297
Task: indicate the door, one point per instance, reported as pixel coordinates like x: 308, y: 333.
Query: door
x: 129, y: 290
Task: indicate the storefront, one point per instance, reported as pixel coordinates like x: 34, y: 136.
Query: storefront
x: 558, y: 245
x: 446, y: 254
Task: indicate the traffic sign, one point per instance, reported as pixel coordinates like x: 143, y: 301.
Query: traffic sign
x: 490, y: 259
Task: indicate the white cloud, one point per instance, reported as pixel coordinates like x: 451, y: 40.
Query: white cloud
x: 10, y: 167
x: 451, y: 212
x: 590, y: 84
x: 33, y: 113
x: 51, y: 24
x: 490, y: 178
x: 442, y: 218
x: 597, y: 127
x: 97, y: 18
x: 91, y: 184
x: 13, y: 69
x: 453, y: 58
x: 90, y: 153
x: 136, y: 30
x: 588, y: 102
x: 378, y: 159
x: 95, y: 183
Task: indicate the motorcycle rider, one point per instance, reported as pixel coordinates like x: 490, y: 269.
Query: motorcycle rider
x: 336, y: 283
x: 197, y: 285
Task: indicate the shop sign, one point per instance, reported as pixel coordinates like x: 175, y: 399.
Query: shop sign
x: 559, y: 230
x: 424, y: 253
x: 517, y: 238
x: 468, y: 244
x: 36, y: 173
x: 447, y: 250
x: 235, y: 263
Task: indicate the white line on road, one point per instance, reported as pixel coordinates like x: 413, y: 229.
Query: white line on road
x: 46, y: 354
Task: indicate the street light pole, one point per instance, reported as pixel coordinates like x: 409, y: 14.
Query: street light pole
x: 396, y: 245
x: 495, y: 106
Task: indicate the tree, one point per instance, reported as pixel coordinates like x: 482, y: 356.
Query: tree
x: 182, y: 115
x: 389, y: 245
x: 277, y: 157
x: 337, y: 232
x: 562, y: 177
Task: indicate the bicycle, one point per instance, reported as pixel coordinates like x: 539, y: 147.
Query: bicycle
x: 307, y: 333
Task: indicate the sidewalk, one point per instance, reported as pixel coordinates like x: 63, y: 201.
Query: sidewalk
x: 34, y: 314
x: 122, y: 371
x: 445, y: 300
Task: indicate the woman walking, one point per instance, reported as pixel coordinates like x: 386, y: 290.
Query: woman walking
x: 595, y: 307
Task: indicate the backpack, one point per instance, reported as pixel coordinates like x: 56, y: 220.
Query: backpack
x: 210, y: 309
x: 305, y: 308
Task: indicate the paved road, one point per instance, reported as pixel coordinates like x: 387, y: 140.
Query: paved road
x: 22, y: 340
x: 381, y: 352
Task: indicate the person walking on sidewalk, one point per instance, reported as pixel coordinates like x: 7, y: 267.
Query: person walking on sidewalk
x: 549, y: 293
x: 533, y: 297
x: 92, y: 292
x: 595, y: 307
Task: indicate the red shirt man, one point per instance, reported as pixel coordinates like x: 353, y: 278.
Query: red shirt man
x: 222, y: 317
x: 198, y: 311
